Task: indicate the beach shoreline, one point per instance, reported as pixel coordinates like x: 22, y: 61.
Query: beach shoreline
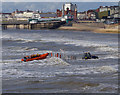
x: 93, y: 27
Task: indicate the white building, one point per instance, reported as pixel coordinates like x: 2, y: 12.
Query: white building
x: 19, y: 15
x: 70, y: 9
x: 114, y: 10
x: 81, y: 15
x: 6, y: 15
x: 44, y: 15
x: 103, y: 8
x: 27, y: 14
x: 23, y: 14
x: 71, y: 6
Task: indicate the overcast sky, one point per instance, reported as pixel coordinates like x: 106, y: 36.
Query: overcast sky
x: 60, y: 0
x: 51, y: 6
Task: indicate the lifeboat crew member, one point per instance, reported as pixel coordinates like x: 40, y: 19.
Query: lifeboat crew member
x: 37, y: 55
x: 32, y: 56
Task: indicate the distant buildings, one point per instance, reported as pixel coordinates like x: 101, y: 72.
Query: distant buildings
x: 32, y: 14
x: 22, y: 14
x: 69, y: 10
x: 87, y: 15
x: 5, y: 15
x: 25, y: 15
x: 102, y: 13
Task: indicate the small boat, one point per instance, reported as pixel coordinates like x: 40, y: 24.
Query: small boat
x: 35, y: 57
x: 87, y: 55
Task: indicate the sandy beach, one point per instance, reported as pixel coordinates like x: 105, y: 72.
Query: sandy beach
x: 94, y: 27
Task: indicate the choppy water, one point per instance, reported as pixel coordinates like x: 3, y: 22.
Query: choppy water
x: 55, y: 74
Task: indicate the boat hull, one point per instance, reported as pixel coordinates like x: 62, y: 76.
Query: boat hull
x: 43, y: 56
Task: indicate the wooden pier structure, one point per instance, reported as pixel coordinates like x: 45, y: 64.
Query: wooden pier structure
x: 34, y: 26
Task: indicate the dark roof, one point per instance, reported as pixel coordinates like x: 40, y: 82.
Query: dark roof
x: 19, y: 11
x: 48, y: 15
x: 29, y: 11
x: 108, y: 6
x: 6, y: 13
x: 81, y: 12
x: 89, y: 11
x: 22, y: 11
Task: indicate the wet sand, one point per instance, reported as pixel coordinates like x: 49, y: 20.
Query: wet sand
x: 100, y: 30
x: 94, y: 27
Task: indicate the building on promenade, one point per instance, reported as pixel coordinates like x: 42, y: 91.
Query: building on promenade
x: 22, y: 14
x: 81, y: 15
x: 5, y: 16
x: 28, y: 13
x: 101, y: 14
x: 104, y: 12
x: 68, y: 9
x: 32, y: 14
x: 91, y: 15
x: 87, y: 15
x: 17, y: 14
x: 44, y: 15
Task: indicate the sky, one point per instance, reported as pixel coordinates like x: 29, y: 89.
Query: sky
x: 51, y: 6
x: 60, y: 0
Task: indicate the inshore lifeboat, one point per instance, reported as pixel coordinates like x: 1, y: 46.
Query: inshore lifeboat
x: 35, y: 57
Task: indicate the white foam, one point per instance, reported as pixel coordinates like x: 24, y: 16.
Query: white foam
x: 53, y: 66
x: 78, y: 70
x: 57, y: 61
x: 6, y: 36
x: 51, y: 61
x: 21, y: 37
x: 111, y: 56
x: 105, y: 69
x: 106, y: 49
x: 102, y: 46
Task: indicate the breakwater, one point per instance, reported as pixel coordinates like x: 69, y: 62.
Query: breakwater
x: 26, y: 25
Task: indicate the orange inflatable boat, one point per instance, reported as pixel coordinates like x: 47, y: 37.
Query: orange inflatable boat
x: 35, y: 57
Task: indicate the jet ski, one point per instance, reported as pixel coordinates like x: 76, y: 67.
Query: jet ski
x: 35, y: 57
x: 87, y: 55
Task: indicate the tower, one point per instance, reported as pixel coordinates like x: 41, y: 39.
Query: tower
x: 70, y: 9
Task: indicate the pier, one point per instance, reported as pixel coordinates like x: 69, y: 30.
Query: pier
x: 32, y: 26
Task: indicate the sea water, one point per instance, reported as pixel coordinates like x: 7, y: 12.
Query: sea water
x: 59, y: 75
